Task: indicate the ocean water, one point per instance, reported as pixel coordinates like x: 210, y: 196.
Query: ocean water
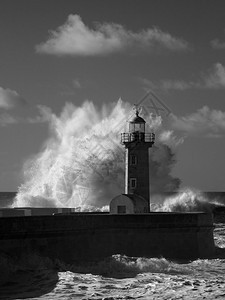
x: 117, y: 277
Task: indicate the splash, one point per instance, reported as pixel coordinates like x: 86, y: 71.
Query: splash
x: 162, y: 160
x: 188, y: 201
x: 82, y: 162
x: 122, y: 266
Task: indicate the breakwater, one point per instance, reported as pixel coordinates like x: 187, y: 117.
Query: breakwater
x: 93, y: 236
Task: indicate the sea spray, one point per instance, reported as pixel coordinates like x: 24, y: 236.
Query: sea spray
x: 188, y: 200
x: 122, y: 266
x: 162, y: 160
x: 82, y: 162
x: 75, y: 167
x: 116, y: 266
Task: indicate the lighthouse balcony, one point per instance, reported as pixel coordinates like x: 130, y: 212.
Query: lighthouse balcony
x: 137, y: 137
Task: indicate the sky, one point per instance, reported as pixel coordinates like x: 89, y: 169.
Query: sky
x: 54, y: 52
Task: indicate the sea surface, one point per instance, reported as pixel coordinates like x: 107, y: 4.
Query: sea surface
x: 117, y: 277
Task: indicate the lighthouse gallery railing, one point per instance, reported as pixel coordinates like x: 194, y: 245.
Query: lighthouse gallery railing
x: 137, y: 136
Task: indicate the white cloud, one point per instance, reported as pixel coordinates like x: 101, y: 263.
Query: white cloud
x: 175, y: 85
x: 216, y: 44
x: 76, y: 83
x: 213, y: 79
x: 32, y: 115
x: 205, y: 123
x: 168, y: 84
x: 10, y: 99
x: 216, y: 78
x: 44, y: 115
x: 75, y: 38
x: 7, y: 119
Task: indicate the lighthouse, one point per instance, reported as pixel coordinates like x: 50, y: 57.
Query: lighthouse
x: 137, y: 142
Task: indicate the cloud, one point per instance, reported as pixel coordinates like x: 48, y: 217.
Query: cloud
x: 75, y: 38
x: 44, y: 115
x: 32, y: 115
x: 216, y: 44
x: 70, y: 89
x: 168, y: 84
x: 10, y: 99
x: 205, y: 123
x: 7, y: 119
x: 76, y: 83
x: 175, y: 85
x: 213, y: 79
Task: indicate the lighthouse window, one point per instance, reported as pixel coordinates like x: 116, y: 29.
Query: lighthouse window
x: 133, y: 183
x: 133, y: 160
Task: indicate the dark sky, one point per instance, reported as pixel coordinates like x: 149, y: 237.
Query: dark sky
x: 53, y: 52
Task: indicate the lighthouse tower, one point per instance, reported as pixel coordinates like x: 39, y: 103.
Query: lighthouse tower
x: 137, y: 142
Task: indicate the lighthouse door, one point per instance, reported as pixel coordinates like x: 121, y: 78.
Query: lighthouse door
x: 121, y: 209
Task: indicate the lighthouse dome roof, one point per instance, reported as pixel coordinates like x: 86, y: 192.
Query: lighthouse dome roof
x: 137, y: 119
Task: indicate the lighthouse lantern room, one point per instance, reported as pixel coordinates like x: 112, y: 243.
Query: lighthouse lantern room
x: 137, y: 186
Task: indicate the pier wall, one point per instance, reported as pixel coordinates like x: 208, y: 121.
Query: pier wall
x: 83, y: 236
